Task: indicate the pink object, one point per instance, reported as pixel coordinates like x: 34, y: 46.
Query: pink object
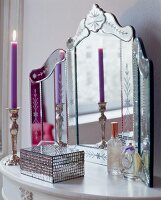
x: 62, y: 54
x: 36, y: 132
x: 101, y: 75
x: 13, y: 76
x: 48, y: 134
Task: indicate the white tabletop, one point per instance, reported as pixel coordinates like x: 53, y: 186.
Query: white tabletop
x: 96, y: 184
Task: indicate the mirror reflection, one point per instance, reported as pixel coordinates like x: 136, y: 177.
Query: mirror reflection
x: 118, y: 81
x: 48, y: 101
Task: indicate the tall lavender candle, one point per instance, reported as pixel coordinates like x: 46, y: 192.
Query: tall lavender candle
x: 13, y: 69
x: 58, y: 74
x: 101, y: 75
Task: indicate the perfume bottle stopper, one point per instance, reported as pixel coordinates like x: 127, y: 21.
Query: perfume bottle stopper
x: 114, y: 127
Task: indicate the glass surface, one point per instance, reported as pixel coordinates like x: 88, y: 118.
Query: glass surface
x: 88, y: 67
x: 44, y: 87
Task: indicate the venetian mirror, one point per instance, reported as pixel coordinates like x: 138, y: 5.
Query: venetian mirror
x: 126, y: 93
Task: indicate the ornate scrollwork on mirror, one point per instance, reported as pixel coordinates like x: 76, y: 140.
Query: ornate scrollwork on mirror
x: 126, y: 85
x: 48, y: 101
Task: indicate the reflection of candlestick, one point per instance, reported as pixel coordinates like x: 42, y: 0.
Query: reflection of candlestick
x: 102, y: 121
x: 101, y: 74
x: 14, y: 72
x: 59, y: 123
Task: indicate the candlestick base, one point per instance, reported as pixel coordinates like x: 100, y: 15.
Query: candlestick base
x: 102, y: 144
x: 62, y: 144
x: 14, y: 159
x: 102, y: 120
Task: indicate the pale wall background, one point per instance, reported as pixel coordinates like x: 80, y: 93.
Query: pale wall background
x: 48, y: 24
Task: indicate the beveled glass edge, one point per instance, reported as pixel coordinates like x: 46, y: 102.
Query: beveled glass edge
x: 147, y: 74
x: 44, y: 71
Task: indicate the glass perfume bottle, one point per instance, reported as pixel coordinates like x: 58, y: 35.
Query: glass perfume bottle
x: 128, y: 161
x: 131, y: 162
x: 114, y: 151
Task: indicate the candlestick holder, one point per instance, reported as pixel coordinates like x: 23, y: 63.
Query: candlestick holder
x: 102, y: 121
x: 14, y: 159
x: 59, y: 124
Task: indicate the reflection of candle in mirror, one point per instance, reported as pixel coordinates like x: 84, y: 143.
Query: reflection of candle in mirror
x: 101, y: 74
x: 58, y: 72
x: 13, y: 69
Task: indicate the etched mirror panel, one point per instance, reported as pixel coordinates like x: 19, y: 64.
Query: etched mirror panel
x: 48, y: 101
x: 118, y: 83
x: 146, y: 115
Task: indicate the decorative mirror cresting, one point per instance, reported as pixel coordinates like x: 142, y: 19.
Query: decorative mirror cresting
x: 48, y: 101
x: 108, y: 79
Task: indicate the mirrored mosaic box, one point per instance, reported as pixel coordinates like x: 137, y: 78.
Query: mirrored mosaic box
x: 52, y: 163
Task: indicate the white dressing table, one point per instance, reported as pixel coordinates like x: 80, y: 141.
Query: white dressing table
x: 95, y: 185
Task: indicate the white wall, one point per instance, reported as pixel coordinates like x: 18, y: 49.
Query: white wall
x: 1, y: 52
x: 49, y: 23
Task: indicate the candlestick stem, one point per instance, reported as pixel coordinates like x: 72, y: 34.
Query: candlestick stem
x: 102, y: 121
x: 14, y: 159
x: 59, y: 123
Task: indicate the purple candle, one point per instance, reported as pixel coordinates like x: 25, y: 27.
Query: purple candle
x: 101, y: 75
x: 13, y: 76
x: 58, y: 74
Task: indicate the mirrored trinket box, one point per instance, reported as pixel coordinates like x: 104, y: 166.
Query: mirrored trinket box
x: 52, y: 163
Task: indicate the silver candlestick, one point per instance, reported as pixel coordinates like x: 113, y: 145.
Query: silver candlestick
x: 14, y: 159
x: 59, y: 124
x: 102, y: 121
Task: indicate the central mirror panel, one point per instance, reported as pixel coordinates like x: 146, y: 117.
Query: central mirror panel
x: 118, y: 84
x: 101, y: 53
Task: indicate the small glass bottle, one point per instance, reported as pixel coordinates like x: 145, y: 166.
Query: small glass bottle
x: 114, y: 152
x: 131, y: 162
x: 128, y: 161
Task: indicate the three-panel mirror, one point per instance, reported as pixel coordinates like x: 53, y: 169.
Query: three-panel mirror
x: 104, y: 63
x: 125, y: 89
